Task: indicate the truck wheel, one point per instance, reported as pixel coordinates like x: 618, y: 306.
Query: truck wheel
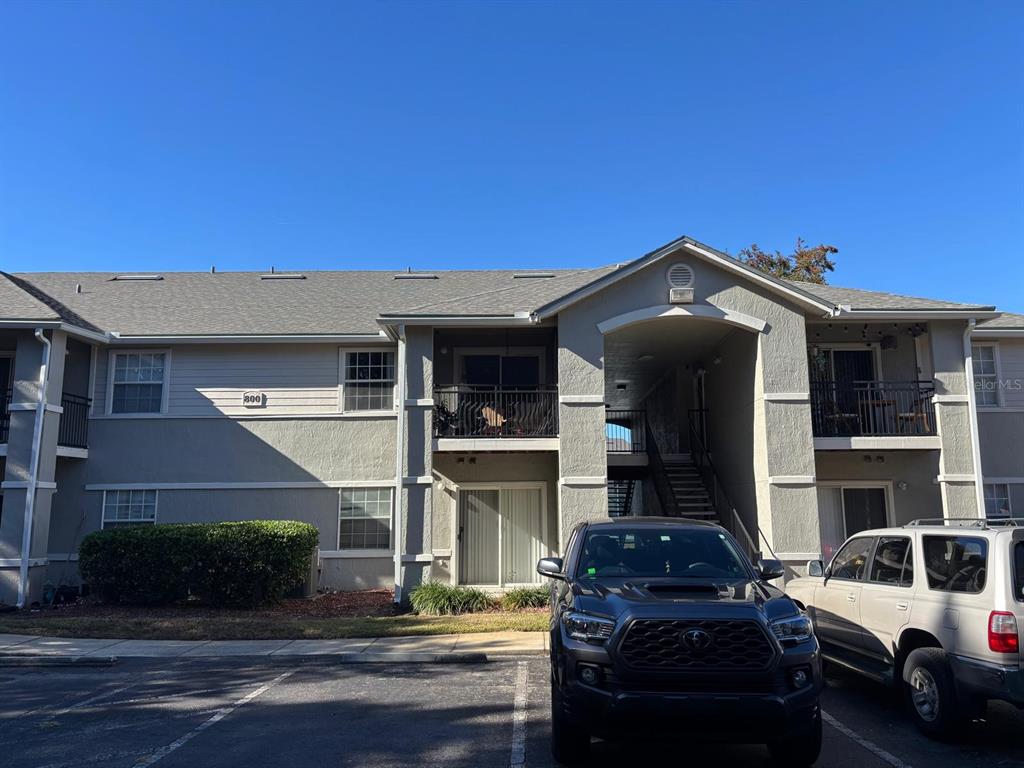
x: 801, y: 746
x: 570, y: 744
x: 931, y: 693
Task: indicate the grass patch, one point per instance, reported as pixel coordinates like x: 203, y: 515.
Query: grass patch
x: 526, y: 597
x: 242, y: 625
x: 435, y: 599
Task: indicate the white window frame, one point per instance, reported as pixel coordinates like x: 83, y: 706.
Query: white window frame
x: 342, y: 358
x: 164, y: 389
x: 156, y: 507
x: 353, y: 553
x: 997, y: 362
x: 1007, y: 496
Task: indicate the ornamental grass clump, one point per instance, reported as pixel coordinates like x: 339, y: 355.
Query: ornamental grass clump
x: 435, y: 599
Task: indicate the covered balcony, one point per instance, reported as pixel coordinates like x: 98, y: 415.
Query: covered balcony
x: 73, y: 431
x: 495, y: 389
x: 872, y: 408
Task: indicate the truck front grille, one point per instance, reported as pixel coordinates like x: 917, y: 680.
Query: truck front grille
x: 730, y: 644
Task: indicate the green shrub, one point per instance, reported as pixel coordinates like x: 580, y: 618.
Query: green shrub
x: 435, y: 599
x: 526, y: 597
x: 244, y: 563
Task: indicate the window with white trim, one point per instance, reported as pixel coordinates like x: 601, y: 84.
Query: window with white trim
x: 369, y: 381
x: 365, y: 518
x: 986, y: 377
x: 137, y: 382
x: 997, y: 500
x: 129, y: 507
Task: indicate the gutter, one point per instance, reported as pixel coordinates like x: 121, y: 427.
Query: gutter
x: 399, y: 461
x: 979, y: 488
x: 33, y: 471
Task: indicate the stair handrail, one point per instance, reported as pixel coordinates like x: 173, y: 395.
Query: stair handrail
x: 656, y: 465
x: 704, y: 464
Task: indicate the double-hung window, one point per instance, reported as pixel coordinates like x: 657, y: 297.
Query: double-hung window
x: 138, y: 382
x: 365, y: 518
x: 368, y: 382
x: 986, y: 375
x: 997, y: 500
x: 129, y: 507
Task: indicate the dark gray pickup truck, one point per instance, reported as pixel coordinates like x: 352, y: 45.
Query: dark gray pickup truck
x: 662, y: 628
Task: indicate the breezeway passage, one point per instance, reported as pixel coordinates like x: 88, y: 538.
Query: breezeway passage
x: 231, y: 712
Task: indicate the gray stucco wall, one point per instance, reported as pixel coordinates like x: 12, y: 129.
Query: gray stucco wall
x: 782, y: 432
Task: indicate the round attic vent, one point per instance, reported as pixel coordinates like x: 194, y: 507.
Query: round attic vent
x: 679, y: 276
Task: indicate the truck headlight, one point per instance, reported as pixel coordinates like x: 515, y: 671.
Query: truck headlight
x: 591, y: 629
x: 793, y: 630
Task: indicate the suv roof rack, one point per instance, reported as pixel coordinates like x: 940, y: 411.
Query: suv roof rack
x: 967, y: 522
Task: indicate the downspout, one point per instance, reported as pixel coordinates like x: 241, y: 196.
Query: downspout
x: 972, y: 397
x: 33, y: 469
x: 399, y: 461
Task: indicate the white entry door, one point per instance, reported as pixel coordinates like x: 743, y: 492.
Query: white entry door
x: 500, y: 537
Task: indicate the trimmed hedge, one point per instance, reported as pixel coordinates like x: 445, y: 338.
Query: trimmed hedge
x: 245, y: 564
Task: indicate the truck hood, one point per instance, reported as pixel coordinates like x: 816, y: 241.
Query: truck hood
x: 669, y: 596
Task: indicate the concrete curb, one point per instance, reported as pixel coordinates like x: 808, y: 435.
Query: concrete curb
x: 49, y: 660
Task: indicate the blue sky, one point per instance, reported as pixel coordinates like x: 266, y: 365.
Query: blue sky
x: 178, y: 135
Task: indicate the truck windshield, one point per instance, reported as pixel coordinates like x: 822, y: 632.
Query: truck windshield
x: 664, y: 552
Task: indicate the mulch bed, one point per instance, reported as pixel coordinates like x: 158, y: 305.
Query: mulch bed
x: 328, y: 605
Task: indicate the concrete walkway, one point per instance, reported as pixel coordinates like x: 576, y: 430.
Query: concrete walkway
x: 353, y: 649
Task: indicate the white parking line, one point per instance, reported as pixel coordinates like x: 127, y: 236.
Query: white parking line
x: 219, y: 715
x: 871, y: 747
x: 517, y: 758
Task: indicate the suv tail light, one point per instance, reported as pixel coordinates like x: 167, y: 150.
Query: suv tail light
x: 1002, y: 632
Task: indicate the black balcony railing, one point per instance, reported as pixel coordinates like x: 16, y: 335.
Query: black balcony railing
x: 73, y: 430
x: 469, y: 411
x: 5, y: 415
x: 872, y: 408
x: 625, y: 431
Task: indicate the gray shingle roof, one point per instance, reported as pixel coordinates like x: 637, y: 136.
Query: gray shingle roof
x: 1007, y: 320
x: 325, y: 302
x: 856, y: 298
x: 18, y: 304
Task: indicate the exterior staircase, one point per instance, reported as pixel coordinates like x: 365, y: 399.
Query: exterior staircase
x: 620, y: 496
x: 691, y: 496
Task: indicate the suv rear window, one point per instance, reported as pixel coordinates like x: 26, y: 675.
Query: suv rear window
x: 955, y: 563
x: 1018, y: 571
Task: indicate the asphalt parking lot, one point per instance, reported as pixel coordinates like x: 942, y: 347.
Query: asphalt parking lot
x: 238, y: 712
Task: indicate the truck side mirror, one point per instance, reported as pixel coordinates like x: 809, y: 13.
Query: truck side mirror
x: 816, y: 568
x: 771, y: 569
x: 551, y: 567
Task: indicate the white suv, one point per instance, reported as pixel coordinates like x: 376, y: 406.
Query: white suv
x: 935, y: 605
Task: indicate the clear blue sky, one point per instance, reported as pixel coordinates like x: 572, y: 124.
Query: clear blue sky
x: 159, y: 135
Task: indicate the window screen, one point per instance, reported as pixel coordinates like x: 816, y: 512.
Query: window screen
x: 365, y: 518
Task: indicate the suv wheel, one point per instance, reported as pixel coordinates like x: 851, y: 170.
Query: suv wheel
x: 931, y: 692
x: 801, y: 746
x: 570, y: 744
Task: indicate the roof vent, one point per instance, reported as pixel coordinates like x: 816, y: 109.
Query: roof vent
x: 679, y: 275
x: 120, y: 278
x: 532, y: 275
x: 283, y: 276
x: 415, y: 276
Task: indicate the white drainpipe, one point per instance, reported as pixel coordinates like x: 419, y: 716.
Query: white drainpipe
x: 399, y: 462
x: 33, y: 469
x: 972, y: 396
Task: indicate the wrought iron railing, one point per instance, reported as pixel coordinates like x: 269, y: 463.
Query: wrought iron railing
x: 73, y: 430
x: 5, y: 416
x: 625, y: 431
x: 468, y: 411
x: 872, y: 408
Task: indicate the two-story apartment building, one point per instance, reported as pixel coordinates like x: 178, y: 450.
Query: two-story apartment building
x: 455, y: 425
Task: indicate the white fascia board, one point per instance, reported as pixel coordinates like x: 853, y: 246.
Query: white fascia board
x: 57, y: 325
x: 518, y: 318
x: 319, y: 338
x: 915, y: 314
x: 996, y: 333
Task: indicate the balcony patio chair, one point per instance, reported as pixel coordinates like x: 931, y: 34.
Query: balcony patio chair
x: 916, y: 421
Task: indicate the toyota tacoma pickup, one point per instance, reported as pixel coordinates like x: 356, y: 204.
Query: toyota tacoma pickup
x: 662, y: 627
